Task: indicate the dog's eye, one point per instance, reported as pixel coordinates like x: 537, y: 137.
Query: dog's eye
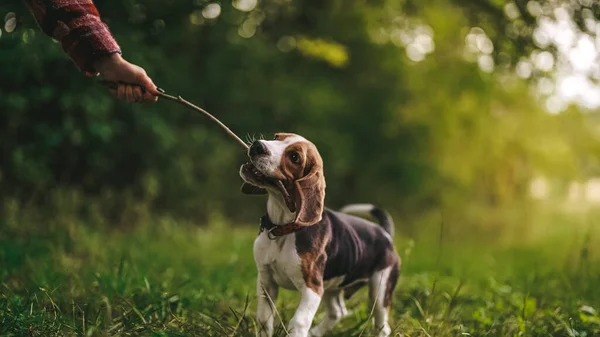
x: 275, y: 137
x: 295, y: 157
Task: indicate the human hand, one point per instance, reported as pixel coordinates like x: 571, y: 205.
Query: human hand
x: 129, y: 78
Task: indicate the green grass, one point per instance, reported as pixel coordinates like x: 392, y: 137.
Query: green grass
x: 165, y: 278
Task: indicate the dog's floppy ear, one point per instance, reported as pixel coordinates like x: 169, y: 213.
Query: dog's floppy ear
x: 253, y: 190
x: 309, y: 193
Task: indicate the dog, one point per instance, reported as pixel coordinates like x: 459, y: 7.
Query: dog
x: 325, y: 255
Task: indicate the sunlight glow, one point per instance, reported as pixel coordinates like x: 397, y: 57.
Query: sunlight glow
x: 212, y: 11
x: 10, y: 22
x: 286, y: 44
x: 245, y: 5
x: 414, y: 53
x: 412, y: 35
x: 592, y: 190
x: 538, y: 189
x: 523, y: 68
x: 486, y: 63
x: 583, y: 55
x: 400, y: 37
x: 196, y: 17
x: 479, y: 47
x: 555, y: 105
x: 534, y: 8
x: 511, y: 10
x: 545, y: 86
x: 484, y: 44
x: 418, y: 42
x: 575, y: 63
x: 544, y: 61
x: 247, y: 29
x: 586, y: 192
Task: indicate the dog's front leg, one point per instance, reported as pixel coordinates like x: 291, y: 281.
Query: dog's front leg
x: 267, y: 291
x: 309, y: 303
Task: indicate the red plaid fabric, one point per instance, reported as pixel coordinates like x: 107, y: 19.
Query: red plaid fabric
x: 77, y: 26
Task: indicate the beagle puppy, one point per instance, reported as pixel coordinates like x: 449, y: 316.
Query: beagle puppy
x: 325, y: 255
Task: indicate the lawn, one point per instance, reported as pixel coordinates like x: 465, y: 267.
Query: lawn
x: 168, y: 278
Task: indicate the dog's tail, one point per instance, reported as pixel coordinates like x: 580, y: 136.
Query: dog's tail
x: 383, y: 217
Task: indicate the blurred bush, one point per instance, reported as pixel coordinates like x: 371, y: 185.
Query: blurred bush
x: 403, y: 115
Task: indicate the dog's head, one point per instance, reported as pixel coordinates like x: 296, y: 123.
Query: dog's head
x: 292, y: 166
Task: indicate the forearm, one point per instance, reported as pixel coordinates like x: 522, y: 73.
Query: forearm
x: 77, y: 26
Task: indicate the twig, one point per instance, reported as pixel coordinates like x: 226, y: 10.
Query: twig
x: 213, y: 118
x: 286, y: 196
x: 179, y: 99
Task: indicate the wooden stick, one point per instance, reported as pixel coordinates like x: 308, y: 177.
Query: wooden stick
x: 286, y: 196
x: 213, y: 118
x: 179, y: 99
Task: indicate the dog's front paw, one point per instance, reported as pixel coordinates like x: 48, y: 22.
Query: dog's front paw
x: 384, y: 331
x: 315, y: 332
x: 299, y: 334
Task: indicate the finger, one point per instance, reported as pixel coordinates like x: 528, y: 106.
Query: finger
x: 129, y: 93
x: 121, y: 92
x: 137, y: 93
x: 148, y: 97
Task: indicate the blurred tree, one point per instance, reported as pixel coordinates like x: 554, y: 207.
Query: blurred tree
x: 403, y: 112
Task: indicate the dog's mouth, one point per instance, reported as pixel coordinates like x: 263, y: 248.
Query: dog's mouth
x: 253, y: 176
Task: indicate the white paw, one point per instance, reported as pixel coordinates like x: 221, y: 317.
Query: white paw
x: 298, y: 332
x: 315, y: 332
x: 385, y: 331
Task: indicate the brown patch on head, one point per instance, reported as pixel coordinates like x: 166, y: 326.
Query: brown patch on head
x: 283, y: 135
x: 295, y: 168
x: 302, y: 166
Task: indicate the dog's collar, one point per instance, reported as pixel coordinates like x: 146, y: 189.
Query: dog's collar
x: 274, y: 231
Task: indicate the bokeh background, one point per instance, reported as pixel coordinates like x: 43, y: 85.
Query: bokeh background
x: 474, y: 122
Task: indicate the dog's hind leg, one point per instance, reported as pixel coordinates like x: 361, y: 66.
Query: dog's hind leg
x: 378, y: 285
x: 336, y: 310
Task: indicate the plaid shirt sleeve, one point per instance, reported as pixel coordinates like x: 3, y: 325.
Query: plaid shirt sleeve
x: 77, y: 26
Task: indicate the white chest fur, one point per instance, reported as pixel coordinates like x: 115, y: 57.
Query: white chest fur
x: 279, y: 258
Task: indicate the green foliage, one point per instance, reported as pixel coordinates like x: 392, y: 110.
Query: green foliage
x: 404, y: 134
x: 167, y: 278
x: 100, y: 200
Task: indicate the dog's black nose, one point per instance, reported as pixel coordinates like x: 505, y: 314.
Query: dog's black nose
x: 258, y: 148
